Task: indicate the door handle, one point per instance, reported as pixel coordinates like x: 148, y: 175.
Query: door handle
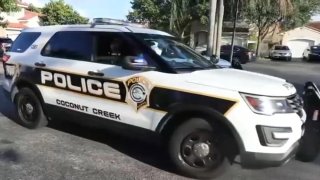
x: 40, y: 64
x: 95, y: 73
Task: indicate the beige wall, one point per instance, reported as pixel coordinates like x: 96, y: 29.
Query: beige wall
x: 2, y: 32
x: 302, y: 33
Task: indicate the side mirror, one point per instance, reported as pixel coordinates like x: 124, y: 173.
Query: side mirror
x: 214, y: 59
x: 136, y: 63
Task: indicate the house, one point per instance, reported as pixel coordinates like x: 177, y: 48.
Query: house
x: 300, y: 38
x: 17, y: 21
x: 199, y: 34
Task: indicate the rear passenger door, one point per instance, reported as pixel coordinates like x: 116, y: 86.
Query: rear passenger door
x: 82, y: 73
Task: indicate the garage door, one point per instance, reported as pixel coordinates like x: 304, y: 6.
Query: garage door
x: 298, y: 46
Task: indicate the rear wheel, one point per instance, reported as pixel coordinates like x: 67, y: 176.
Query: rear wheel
x: 196, y: 150
x: 29, y: 108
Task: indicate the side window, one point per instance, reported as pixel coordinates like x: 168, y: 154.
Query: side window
x: 70, y: 45
x: 113, y: 48
x: 24, y: 41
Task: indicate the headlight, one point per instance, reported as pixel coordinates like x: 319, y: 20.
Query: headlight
x: 289, y: 54
x: 267, y: 105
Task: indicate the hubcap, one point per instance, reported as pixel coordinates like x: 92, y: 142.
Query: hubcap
x: 29, y: 108
x: 199, y: 150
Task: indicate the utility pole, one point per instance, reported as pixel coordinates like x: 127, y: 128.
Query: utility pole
x: 213, y: 8
x: 234, y: 29
x: 219, y: 28
x: 172, y: 18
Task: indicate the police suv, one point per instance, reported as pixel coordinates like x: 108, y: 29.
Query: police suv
x: 113, y: 72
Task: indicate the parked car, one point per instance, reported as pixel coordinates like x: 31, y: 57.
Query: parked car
x: 240, y: 54
x: 6, y: 42
x: 108, y: 75
x: 280, y: 52
x: 312, y: 53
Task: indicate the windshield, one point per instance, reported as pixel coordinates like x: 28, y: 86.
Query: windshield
x: 281, y: 48
x: 176, y: 54
x: 315, y: 48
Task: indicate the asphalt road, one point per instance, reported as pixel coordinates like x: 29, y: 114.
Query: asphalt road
x: 68, y: 151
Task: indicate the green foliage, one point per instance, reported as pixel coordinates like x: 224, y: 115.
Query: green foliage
x: 34, y: 9
x: 154, y: 12
x: 58, y: 12
x: 302, y: 12
x: 7, y: 6
x: 159, y: 14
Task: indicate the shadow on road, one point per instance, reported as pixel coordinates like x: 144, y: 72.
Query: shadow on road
x: 137, y: 148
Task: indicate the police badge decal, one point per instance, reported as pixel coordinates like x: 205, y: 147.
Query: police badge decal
x: 138, y: 92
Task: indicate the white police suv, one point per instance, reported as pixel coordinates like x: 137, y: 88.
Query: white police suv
x: 121, y: 74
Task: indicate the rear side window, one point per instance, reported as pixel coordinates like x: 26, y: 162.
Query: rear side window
x: 24, y: 41
x: 70, y: 45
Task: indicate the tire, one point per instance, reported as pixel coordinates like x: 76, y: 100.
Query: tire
x: 309, y: 147
x: 29, y: 110
x: 191, y: 146
x: 289, y: 59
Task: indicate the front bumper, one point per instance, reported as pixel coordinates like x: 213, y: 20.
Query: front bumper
x: 275, y: 144
x: 261, y: 160
x: 279, y: 56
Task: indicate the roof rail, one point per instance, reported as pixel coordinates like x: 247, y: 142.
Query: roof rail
x: 109, y: 21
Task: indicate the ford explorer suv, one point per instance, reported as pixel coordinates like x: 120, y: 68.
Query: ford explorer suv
x: 116, y: 73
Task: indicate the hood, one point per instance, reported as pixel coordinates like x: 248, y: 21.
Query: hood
x: 242, y: 81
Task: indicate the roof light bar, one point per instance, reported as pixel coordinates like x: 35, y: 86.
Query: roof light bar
x: 109, y: 21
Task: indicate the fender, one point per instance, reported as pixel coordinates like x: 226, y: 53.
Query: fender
x: 180, y: 109
x: 23, y: 82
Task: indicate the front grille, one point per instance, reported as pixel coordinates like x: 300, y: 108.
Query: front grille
x: 296, y: 104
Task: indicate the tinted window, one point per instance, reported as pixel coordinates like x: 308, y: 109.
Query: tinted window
x: 281, y: 48
x: 315, y: 48
x: 112, y: 48
x: 24, y: 41
x: 70, y: 45
x: 5, y: 40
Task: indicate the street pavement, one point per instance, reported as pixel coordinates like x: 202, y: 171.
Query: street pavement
x: 68, y: 151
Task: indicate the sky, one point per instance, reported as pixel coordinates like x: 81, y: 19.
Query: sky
x: 117, y: 9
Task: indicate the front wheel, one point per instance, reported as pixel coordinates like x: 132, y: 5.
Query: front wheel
x: 29, y: 108
x: 196, y: 150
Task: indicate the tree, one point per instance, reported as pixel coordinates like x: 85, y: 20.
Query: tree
x: 302, y: 13
x: 178, y: 21
x: 34, y: 8
x: 58, y: 12
x: 7, y: 6
x: 154, y: 12
x: 265, y: 14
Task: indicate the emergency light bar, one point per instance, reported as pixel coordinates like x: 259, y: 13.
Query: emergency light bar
x: 109, y: 21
